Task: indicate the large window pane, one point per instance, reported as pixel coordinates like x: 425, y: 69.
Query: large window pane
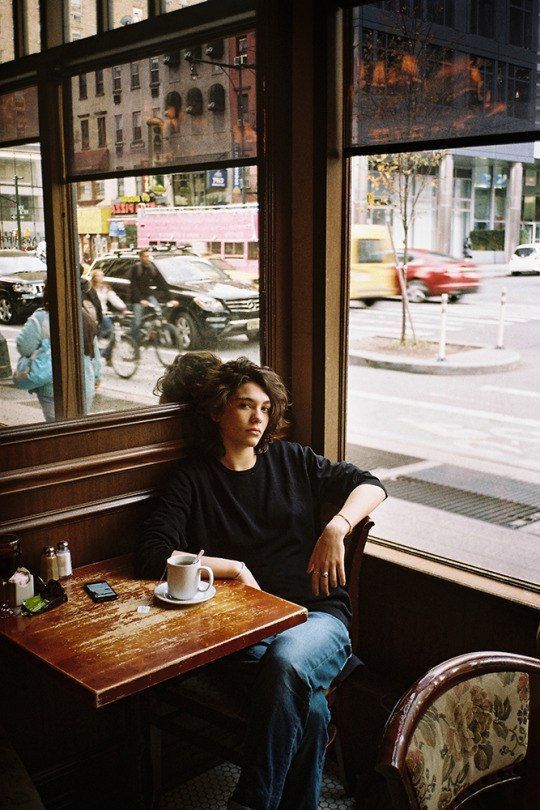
x: 448, y: 446
x: 414, y: 80
x: 19, y: 115
x: 201, y: 230
x: 22, y: 278
x: 80, y: 19
x: 195, y: 105
x: 7, y: 50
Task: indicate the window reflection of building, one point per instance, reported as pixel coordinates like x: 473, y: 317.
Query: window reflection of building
x: 415, y: 78
x: 25, y: 163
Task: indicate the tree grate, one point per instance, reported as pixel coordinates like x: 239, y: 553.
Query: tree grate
x: 498, y: 511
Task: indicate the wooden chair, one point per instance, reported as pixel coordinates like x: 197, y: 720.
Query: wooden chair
x: 469, y: 725
x: 209, y: 698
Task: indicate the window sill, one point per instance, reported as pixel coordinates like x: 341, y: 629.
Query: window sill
x: 478, y: 555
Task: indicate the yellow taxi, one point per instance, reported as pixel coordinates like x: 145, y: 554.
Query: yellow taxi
x: 373, y: 273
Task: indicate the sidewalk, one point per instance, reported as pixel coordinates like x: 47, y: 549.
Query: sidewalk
x: 480, y: 360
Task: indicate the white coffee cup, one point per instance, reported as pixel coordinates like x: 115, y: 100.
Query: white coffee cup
x: 184, y: 576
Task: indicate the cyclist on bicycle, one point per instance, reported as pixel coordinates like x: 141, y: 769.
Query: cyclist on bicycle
x: 142, y: 277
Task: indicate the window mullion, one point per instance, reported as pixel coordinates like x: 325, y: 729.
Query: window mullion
x: 62, y: 261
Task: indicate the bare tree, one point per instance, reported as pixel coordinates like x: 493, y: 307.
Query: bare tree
x: 401, y: 178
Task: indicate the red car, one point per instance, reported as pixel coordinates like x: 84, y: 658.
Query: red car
x: 431, y: 274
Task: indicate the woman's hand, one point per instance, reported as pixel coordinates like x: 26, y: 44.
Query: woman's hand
x: 327, y: 562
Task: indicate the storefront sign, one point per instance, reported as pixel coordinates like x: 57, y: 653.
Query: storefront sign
x: 129, y: 207
x: 217, y: 178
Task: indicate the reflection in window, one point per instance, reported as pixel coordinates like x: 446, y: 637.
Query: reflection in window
x: 180, y: 122
x: 80, y: 19
x: 83, y: 87
x: 412, y: 81
x: 85, y: 134
x: 19, y: 115
x: 7, y: 50
x: 136, y: 124
x: 102, y: 131
x: 127, y: 12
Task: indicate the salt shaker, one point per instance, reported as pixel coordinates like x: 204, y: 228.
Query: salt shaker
x: 49, y: 564
x: 63, y: 555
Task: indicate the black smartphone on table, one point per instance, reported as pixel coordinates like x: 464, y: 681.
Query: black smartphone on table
x: 100, y: 591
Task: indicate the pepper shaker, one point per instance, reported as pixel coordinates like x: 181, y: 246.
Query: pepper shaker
x: 63, y: 555
x: 49, y: 564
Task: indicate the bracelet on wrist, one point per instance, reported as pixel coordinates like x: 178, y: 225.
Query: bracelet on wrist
x: 242, y: 566
x: 347, y: 521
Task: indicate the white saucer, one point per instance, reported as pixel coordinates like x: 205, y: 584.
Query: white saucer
x: 202, y: 596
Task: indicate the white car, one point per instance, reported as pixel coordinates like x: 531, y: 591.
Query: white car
x: 525, y: 259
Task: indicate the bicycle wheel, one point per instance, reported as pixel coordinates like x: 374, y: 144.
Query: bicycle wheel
x: 166, y: 344
x: 125, y: 357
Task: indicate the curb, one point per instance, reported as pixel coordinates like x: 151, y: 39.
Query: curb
x: 479, y: 361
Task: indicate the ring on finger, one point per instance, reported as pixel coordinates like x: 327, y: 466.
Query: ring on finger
x: 324, y: 574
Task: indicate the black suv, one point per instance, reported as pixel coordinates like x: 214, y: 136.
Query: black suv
x: 212, y: 305
x: 22, y: 278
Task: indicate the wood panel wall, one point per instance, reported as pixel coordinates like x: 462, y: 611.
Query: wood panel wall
x: 90, y: 482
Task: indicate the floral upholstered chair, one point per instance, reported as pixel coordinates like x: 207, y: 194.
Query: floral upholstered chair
x: 471, y: 723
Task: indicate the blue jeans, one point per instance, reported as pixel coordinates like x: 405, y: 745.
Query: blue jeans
x: 106, y: 330
x: 285, y: 677
x: 138, y: 315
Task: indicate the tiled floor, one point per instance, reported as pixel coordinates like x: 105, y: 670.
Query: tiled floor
x: 210, y: 791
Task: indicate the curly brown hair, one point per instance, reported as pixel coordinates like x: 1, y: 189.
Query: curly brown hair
x: 205, y: 384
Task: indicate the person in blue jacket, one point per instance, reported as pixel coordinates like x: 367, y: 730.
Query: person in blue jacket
x: 29, y: 339
x: 252, y: 501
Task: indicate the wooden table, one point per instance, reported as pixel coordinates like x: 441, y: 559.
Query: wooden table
x: 113, y: 651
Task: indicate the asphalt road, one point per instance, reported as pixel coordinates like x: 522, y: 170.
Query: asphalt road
x: 488, y: 422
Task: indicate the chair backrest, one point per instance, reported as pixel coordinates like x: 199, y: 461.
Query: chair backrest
x: 470, y: 723
x: 354, y: 551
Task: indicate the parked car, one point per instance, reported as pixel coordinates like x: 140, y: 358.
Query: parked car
x: 525, y: 259
x: 22, y: 278
x: 431, y: 274
x: 211, y: 304
x: 372, y: 264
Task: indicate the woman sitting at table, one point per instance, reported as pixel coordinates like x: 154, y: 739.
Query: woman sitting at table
x: 252, y: 500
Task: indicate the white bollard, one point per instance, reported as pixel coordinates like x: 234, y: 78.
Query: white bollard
x: 442, y: 339
x: 500, y: 330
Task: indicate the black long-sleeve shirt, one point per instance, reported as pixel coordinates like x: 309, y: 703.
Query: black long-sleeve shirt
x: 267, y: 516
x: 142, y: 277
